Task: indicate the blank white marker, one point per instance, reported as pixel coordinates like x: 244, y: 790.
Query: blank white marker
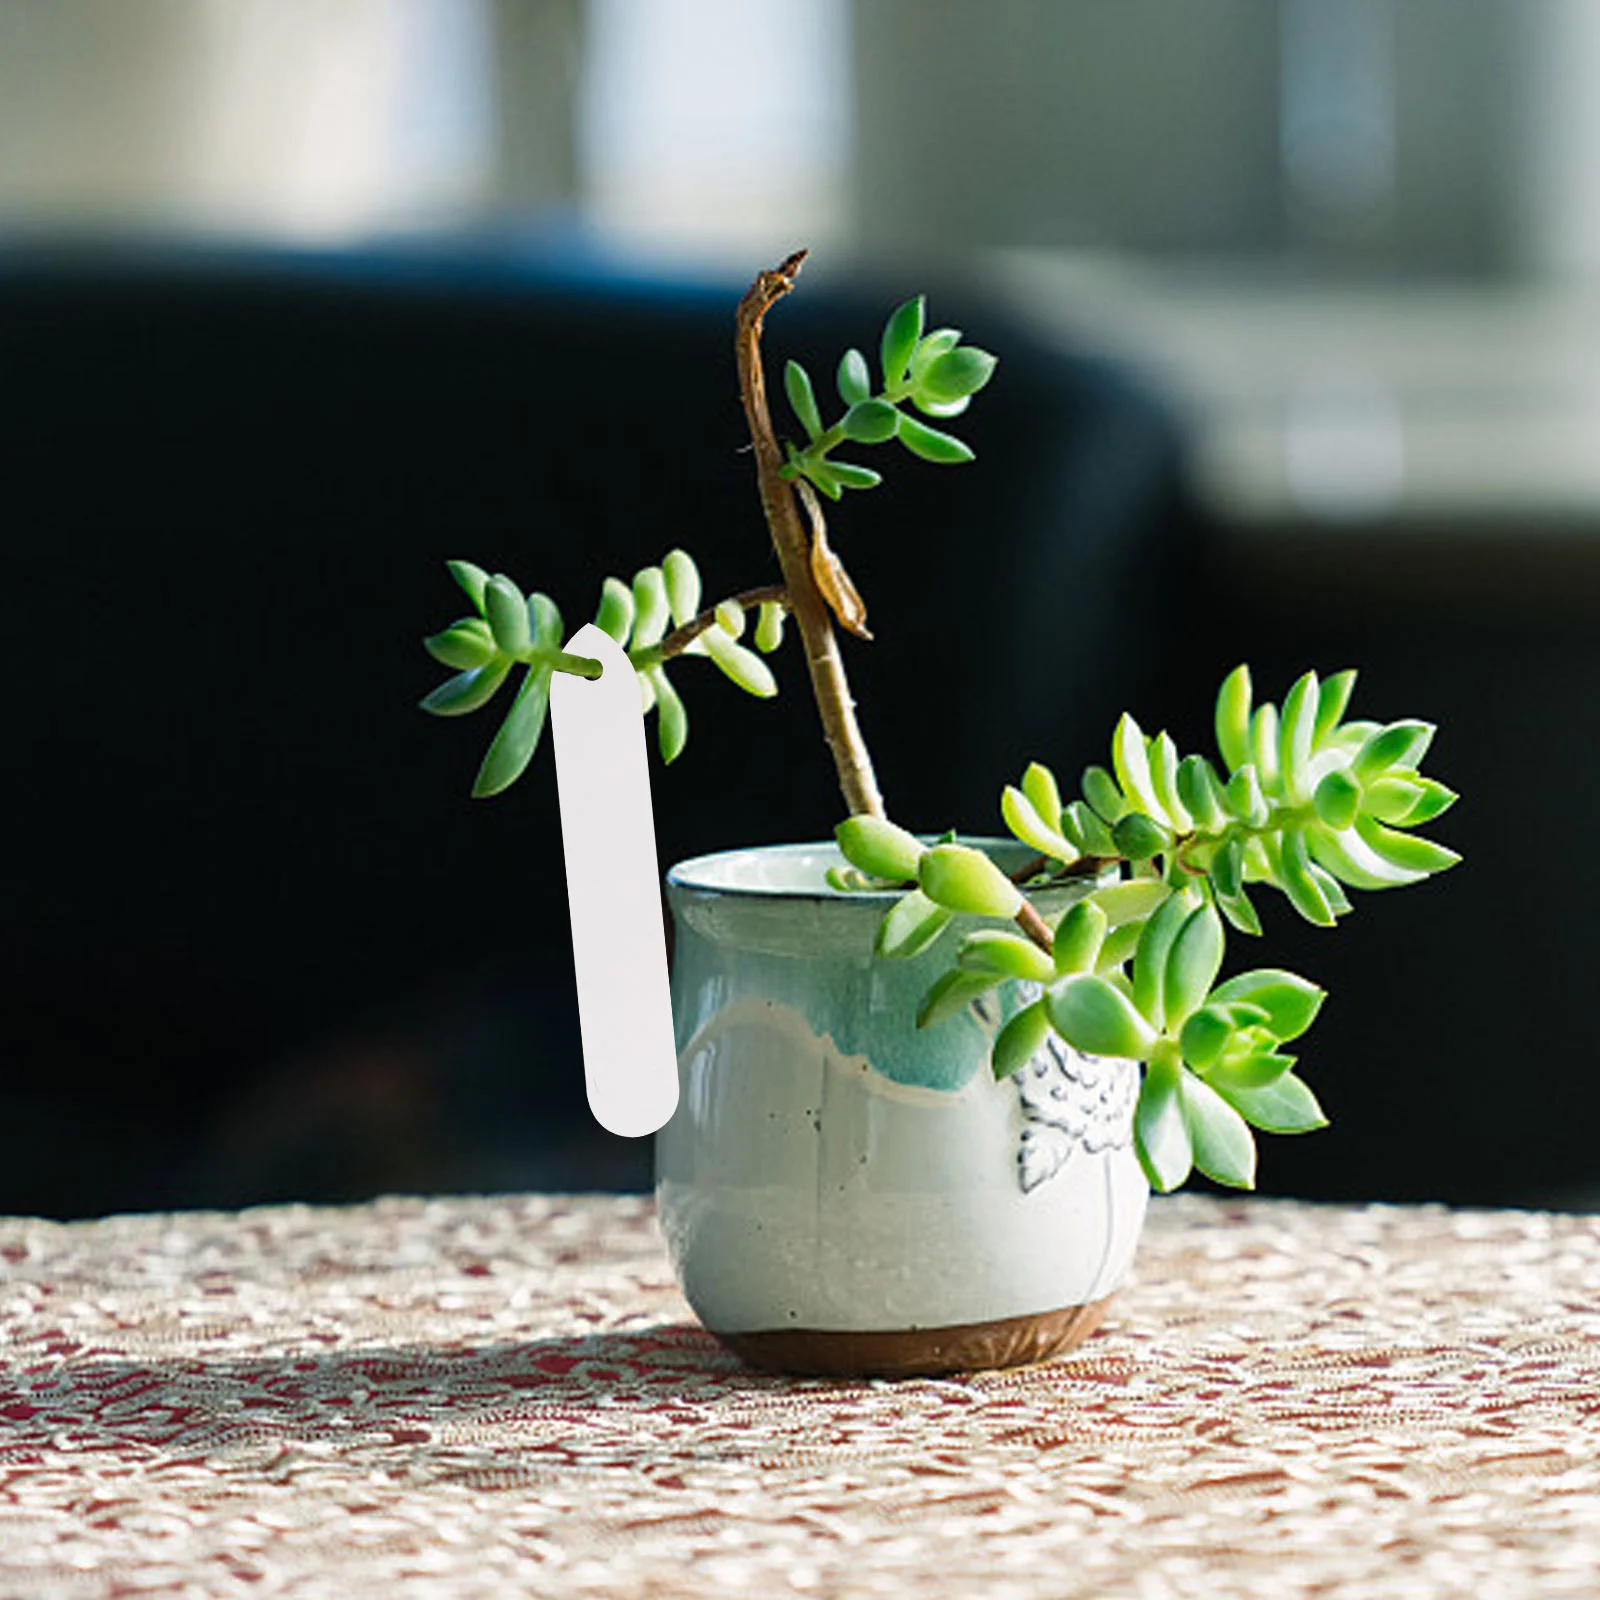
x: 619, y: 944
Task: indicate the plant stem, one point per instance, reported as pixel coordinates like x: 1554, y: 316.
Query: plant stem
x: 829, y: 685
x: 680, y: 639
x: 1035, y: 927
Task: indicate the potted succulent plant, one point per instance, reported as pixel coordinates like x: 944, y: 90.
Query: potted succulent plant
x: 927, y: 1083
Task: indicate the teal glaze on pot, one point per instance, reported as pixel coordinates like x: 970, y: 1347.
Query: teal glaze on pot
x: 831, y: 1166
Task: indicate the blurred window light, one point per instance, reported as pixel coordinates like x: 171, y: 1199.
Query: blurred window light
x: 1337, y: 111
x: 712, y: 125
x: 308, y: 119
x: 1344, y: 446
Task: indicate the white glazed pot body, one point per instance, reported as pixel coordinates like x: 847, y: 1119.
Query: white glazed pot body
x: 831, y: 1168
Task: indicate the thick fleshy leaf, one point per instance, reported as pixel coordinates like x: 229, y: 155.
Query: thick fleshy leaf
x: 1233, y: 718
x: 682, y: 579
x: 474, y: 581
x: 879, y: 847
x: 1043, y: 792
x: 1079, y: 937
x: 1005, y: 955
x: 615, y: 613
x: 1304, y: 892
x: 870, y: 422
x: 1399, y: 744
x: 1200, y: 790
x: 1409, y: 852
x: 849, y: 476
x: 1026, y: 823
x: 467, y: 691
x: 1094, y: 1016
x: 744, y: 667
x: 1132, y: 900
x: 1118, y: 948
x: 672, y: 719
x: 1264, y: 746
x: 1159, y: 1134
x: 802, y: 398
x: 854, y: 378
x: 1150, y: 959
x: 910, y: 925
x: 1332, y: 699
x: 1290, y: 1002
x: 900, y: 335
x: 932, y: 444
x: 544, y: 622
x: 463, y: 645
x: 1286, y: 1105
x: 955, y: 374
x: 1021, y: 1039
x: 1243, y: 797
x: 960, y: 878
x: 1085, y: 831
x: 1205, y: 1035
x: 1138, y: 837
x: 513, y: 747
x: 651, y: 608
x: 1163, y: 757
x: 1240, y: 913
x: 769, y: 627
x: 1337, y: 799
x: 507, y: 611
x: 1295, y: 733
x: 1192, y: 964
x: 1253, y: 1069
x: 1222, y: 1143
x: 951, y: 994
x: 1129, y: 755
x: 1227, y: 867
x: 1101, y: 791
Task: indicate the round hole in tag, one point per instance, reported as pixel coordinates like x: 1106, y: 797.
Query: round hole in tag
x: 608, y: 838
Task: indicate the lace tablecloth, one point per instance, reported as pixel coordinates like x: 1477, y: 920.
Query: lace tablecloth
x: 507, y: 1396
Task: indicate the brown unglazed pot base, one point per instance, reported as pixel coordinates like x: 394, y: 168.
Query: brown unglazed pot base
x: 918, y: 1352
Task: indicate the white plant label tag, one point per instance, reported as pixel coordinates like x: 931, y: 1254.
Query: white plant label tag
x: 619, y: 944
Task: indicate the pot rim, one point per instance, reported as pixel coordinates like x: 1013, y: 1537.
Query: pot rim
x: 717, y: 873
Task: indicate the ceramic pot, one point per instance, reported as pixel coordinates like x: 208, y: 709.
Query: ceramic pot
x: 844, y: 1194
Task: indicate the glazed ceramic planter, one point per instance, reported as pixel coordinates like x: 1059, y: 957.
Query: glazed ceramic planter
x: 842, y: 1193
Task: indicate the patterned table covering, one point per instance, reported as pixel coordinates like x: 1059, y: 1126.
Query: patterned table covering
x: 507, y: 1396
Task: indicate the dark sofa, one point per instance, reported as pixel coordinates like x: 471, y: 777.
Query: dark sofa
x: 257, y: 943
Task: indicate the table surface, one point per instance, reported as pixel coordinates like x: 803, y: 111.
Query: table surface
x: 507, y: 1395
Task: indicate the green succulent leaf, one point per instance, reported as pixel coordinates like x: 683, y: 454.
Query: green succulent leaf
x: 1205, y: 1035
x: 1138, y: 837
x: 1337, y: 799
x: 1233, y: 718
x: 1160, y: 1135
x: 1023, y: 819
x: 850, y: 476
x: 1222, y: 1143
x: 1285, y: 1105
x: 1101, y: 791
x: 960, y: 878
x: 615, y: 613
x: 802, y: 399
x: 854, y: 378
x: 1264, y: 747
x: 1044, y: 794
x: 1094, y: 1016
x: 1150, y: 959
x: 743, y: 666
x: 870, y: 422
x: 1130, y: 757
x: 1022, y: 1038
x: 1227, y: 867
x: 1332, y: 700
x: 909, y: 926
x: 652, y: 610
x: 672, y: 720
x: 1243, y: 797
x: 879, y: 847
x: 1079, y: 937
x: 1002, y: 954
x: 900, y: 335
x: 1131, y: 901
x: 931, y: 444
x: 513, y: 746
x: 955, y: 375
x: 1253, y: 1069
x: 1192, y: 964
x: 507, y: 611
x: 1305, y: 893
x: 1200, y: 791
x: 1163, y: 758
x: 1290, y: 1002
x: 467, y: 691
x: 474, y: 581
x: 769, y: 627
x: 1295, y: 732
x: 951, y: 994
x: 1400, y: 744
x: 1084, y: 830
x: 1409, y: 852
x: 1241, y: 914
x: 544, y: 622
x: 1434, y: 801
x: 681, y: 578
x: 463, y: 645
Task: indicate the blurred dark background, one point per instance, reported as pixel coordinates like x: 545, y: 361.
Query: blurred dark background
x: 1297, y: 317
